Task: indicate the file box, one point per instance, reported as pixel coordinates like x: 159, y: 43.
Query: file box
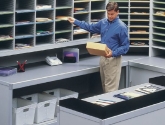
x: 62, y: 94
x: 23, y: 111
x: 46, y: 105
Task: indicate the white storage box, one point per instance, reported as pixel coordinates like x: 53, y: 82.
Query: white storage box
x: 61, y: 94
x: 23, y: 111
x: 45, y: 109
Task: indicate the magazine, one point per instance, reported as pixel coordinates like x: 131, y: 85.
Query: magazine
x: 103, y: 102
x: 127, y: 95
x: 148, y: 89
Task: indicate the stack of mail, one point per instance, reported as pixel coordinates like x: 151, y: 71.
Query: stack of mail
x: 148, y: 89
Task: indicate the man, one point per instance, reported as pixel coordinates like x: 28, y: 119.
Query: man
x: 114, y: 34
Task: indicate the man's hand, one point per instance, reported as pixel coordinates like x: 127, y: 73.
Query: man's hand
x: 109, y: 54
x: 71, y: 19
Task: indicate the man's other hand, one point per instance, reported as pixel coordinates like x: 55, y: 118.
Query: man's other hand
x: 71, y: 19
x: 109, y: 54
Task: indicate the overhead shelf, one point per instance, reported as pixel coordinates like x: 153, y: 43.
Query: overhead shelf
x: 140, y: 39
x: 141, y: 20
x: 123, y: 13
x: 159, y: 47
x: 23, y: 24
x: 96, y: 11
x: 96, y: 0
x: 62, y: 31
x: 143, y: 46
x: 159, y: 34
x: 6, y: 25
x: 139, y: 7
x: 159, y: 40
x: 81, y: 1
x: 63, y: 7
x: 159, y: 15
x: 138, y: 26
x: 158, y: 2
x: 140, y: 1
x: 6, y: 12
x: 159, y: 21
x: 85, y: 32
x: 80, y: 13
x: 158, y: 8
x: 156, y: 27
x: 6, y: 39
x: 124, y: 1
x: 139, y: 13
x: 138, y: 32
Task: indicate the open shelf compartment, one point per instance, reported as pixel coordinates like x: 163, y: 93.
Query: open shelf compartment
x: 25, y: 6
x: 25, y: 18
x: 24, y: 43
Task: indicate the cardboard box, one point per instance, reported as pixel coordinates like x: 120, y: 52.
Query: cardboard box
x: 98, y: 49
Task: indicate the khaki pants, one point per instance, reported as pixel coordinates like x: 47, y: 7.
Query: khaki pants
x: 110, y: 70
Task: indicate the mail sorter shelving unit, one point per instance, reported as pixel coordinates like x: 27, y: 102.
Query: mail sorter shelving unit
x: 81, y: 12
x: 90, y: 11
x: 6, y: 24
x: 135, y: 14
x: 97, y: 11
x: 123, y: 10
x: 63, y: 28
x: 139, y: 26
x: 157, y: 28
x: 36, y: 25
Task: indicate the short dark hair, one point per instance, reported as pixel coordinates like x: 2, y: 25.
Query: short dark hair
x: 112, y: 6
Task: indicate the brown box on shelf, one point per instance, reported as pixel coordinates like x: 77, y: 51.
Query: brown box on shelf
x: 98, y: 49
